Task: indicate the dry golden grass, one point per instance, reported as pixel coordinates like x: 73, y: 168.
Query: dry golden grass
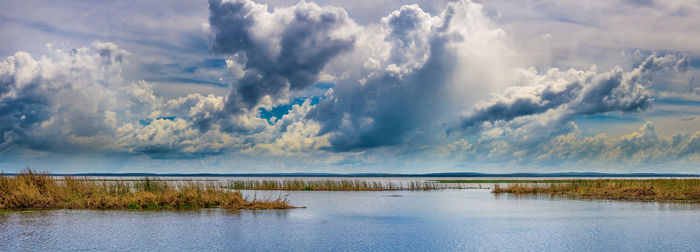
x: 38, y: 190
x: 624, y: 189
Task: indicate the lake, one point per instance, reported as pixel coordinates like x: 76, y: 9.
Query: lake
x: 445, y: 220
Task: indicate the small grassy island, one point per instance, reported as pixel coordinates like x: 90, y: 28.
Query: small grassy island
x: 682, y: 190
x: 39, y: 190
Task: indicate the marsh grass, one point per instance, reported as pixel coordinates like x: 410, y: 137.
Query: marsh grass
x: 39, y: 190
x: 623, y: 189
x: 335, y: 185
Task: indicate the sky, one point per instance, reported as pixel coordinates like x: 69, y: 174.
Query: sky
x: 242, y: 86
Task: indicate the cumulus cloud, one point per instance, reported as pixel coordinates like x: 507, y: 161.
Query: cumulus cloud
x: 407, y: 88
x: 71, y: 95
x: 299, y: 135
x: 557, y: 97
x: 279, y: 51
x: 168, y: 138
x: 77, y: 101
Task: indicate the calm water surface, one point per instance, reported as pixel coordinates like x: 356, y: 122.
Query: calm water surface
x: 434, y: 220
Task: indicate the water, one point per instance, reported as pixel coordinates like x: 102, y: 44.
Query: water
x: 445, y: 220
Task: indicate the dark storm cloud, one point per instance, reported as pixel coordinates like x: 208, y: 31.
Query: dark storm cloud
x: 18, y: 115
x: 281, y: 51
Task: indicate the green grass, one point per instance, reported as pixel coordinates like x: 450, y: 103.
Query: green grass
x: 39, y: 190
x: 622, y: 189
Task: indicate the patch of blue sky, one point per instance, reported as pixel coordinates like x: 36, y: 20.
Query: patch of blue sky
x: 284, y: 109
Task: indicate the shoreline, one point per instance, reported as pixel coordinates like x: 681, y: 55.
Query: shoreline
x: 33, y: 190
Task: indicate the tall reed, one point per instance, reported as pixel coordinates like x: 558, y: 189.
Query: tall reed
x: 39, y: 190
x: 334, y: 185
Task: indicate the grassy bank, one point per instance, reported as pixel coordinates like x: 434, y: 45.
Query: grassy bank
x: 39, y: 190
x: 334, y: 185
x: 622, y: 189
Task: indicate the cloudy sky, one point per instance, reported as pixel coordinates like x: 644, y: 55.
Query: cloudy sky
x: 350, y: 86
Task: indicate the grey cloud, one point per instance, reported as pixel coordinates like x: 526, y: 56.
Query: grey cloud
x: 18, y: 116
x: 393, y: 103
x: 281, y: 50
x: 76, y: 101
x: 68, y: 95
x: 572, y: 93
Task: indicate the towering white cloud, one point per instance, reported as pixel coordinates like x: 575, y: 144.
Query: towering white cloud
x: 408, y: 85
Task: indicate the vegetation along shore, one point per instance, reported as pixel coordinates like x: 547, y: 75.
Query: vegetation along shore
x: 684, y: 190
x: 39, y: 190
